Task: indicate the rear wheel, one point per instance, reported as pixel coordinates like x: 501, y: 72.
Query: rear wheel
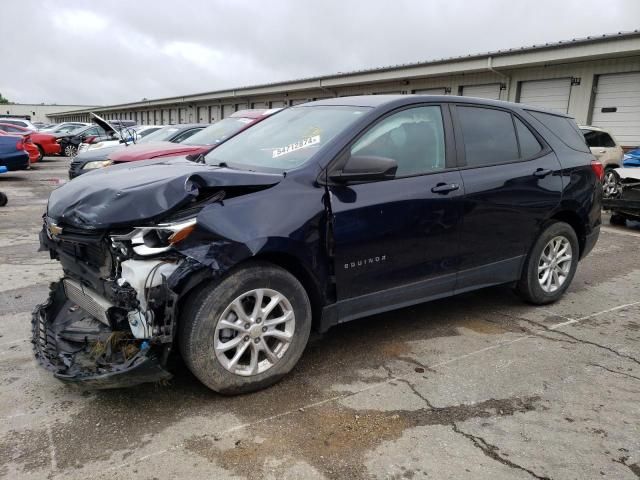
x: 3, y: 199
x: 70, y: 151
x: 618, y: 219
x: 610, y: 184
x: 41, y: 150
x: 248, y: 331
x: 551, y: 265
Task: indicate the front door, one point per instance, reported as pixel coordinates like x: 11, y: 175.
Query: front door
x: 396, y: 240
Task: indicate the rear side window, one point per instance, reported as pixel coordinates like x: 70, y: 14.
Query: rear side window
x: 564, y: 128
x: 489, y: 136
x: 598, y: 139
x: 529, y: 145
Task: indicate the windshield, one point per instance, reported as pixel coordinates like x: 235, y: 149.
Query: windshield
x: 218, y: 132
x: 287, y: 139
x: 162, y: 135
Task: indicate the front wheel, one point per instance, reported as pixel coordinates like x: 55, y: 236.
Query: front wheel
x: 247, y: 331
x: 551, y: 265
x: 41, y: 153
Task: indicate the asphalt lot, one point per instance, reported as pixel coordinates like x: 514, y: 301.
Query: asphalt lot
x: 477, y: 386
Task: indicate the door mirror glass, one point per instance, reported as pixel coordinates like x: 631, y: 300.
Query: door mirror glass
x: 366, y: 167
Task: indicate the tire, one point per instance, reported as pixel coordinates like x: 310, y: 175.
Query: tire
x: 70, y: 151
x: 41, y: 150
x: 618, y: 219
x: 3, y: 199
x: 532, y: 287
x: 201, y: 329
x: 611, y: 183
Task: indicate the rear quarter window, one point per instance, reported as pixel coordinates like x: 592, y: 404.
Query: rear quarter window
x: 563, y: 128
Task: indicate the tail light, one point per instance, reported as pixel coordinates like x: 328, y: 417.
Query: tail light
x: 20, y: 144
x: 598, y: 169
x: 89, y: 139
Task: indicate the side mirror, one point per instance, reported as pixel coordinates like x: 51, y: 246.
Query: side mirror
x: 365, y: 167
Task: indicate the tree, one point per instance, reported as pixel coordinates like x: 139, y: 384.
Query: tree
x: 4, y: 101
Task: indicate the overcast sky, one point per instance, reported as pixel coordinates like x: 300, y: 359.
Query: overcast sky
x: 114, y: 51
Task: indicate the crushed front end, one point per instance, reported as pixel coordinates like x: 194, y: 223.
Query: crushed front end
x: 109, y: 322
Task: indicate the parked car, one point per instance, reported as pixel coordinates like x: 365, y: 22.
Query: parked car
x: 622, y: 195
x: 320, y: 214
x: 21, y: 122
x: 91, y: 159
x: 132, y: 136
x: 201, y: 142
x: 632, y: 158
x: 13, y: 155
x: 29, y: 146
x: 605, y: 148
x: 65, y: 127
x: 69, y: 142
x: 46, y: 143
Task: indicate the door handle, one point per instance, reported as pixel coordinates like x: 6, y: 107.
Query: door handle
x: 542, y: 172
x: 603, y: 151
x: 444, y: 188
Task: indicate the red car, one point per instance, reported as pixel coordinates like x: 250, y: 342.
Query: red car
x: 201, y: 142
x: 44, y: 142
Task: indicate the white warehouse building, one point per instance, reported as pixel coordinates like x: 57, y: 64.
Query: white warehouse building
x: 38, y: 112
x: 595, y: 79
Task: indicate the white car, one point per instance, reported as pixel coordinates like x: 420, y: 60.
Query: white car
x: 132, y: 134
x: 20, y: 122
x: 604, y: 146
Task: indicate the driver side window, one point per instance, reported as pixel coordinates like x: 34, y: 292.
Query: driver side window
x: 414, y: 138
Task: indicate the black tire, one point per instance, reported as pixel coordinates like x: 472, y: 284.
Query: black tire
x: 204, y: 310
x: 618, y: 219
x: 3, y: 199
x: 529, y: 287
x: 41, y: 150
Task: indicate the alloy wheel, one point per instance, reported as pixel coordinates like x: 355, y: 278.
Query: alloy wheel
x: 70, y: 151
x: 554, y: 264
x: 610, y: 184
x: 254, y: 332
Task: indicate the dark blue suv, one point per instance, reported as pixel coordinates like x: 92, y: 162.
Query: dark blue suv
x: 321, y: 214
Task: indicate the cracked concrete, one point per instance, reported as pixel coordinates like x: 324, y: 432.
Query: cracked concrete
x: 478, y: 386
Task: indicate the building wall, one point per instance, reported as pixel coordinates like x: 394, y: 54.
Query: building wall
x: 38, y: 112
x: 584, y: 76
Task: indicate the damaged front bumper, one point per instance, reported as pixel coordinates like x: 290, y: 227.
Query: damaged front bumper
x: 80, y: 349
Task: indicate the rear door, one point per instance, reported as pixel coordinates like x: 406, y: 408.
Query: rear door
x: 399, y: 236
x: 512, y: 184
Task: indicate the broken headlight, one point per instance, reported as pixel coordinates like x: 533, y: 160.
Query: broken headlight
x: 156, y: 239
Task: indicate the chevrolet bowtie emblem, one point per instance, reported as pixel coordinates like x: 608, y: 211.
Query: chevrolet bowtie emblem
x: 54, y: 230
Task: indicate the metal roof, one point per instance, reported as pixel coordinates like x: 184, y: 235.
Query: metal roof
x: 496, y: 53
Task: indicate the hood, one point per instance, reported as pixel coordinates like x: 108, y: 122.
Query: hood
x: 146, y: 151
x: 144, y: 192
x: 98, y: 153
x: 107, y: 127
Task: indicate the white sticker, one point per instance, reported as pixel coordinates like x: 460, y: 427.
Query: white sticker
x: 278, y: 152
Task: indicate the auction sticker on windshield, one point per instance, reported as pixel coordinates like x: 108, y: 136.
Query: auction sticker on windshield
x: 292, y: 147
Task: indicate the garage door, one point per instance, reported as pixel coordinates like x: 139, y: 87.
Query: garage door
x: 616, y: 107
x: 227, y: 110
x: 277, y: 104
x: 430, y: 91
x: 259, y: 105
x: 550, y: 94
x: 299, y: 101
x: 491, y: 91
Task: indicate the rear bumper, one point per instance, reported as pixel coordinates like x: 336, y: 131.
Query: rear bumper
x: 17, y: 161
x: 590, y: 241
x: 81, y: 350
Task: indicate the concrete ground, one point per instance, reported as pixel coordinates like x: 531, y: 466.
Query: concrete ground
x: 478, y: 386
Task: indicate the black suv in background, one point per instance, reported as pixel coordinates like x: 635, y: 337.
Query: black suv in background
x: 320, y: 214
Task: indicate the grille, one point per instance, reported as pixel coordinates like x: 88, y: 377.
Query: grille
x: 87, y: 300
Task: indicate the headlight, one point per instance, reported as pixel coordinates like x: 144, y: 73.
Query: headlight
x: 97, y: 164
x: 157, y: 239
